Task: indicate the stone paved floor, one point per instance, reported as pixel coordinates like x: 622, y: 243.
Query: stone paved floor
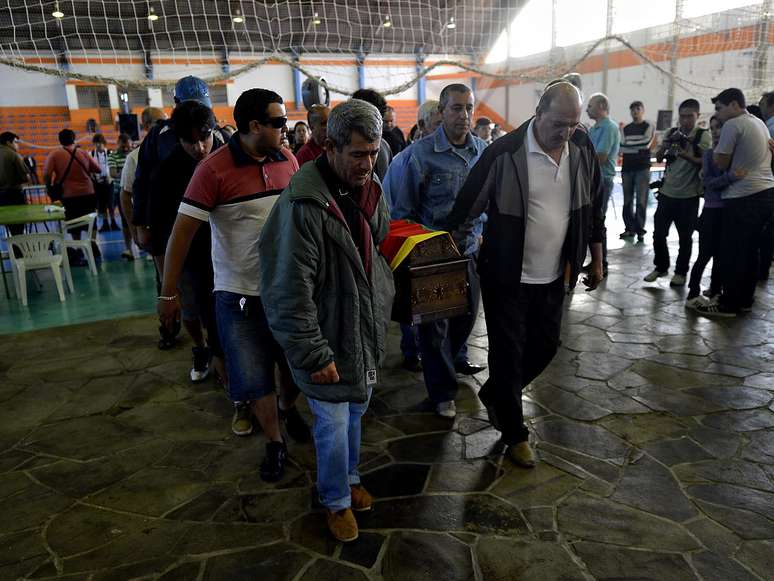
x: 655, y: 430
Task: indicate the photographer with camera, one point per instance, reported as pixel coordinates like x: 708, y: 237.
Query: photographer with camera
x: 679, y: 191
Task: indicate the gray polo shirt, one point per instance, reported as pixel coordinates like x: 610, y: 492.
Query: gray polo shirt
x: 746, y: 139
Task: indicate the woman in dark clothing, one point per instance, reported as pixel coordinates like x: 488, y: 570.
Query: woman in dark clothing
x: 194, y: 124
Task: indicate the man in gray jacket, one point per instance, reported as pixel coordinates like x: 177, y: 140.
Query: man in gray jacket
x: 329, y: 297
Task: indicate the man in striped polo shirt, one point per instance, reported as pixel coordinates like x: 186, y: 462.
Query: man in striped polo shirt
x: 235, y: 189
x: 636, y: 142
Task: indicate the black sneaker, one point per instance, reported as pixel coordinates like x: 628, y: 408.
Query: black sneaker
x: 295, y: 425
x: 167, y: 338
x: 715, y: 310
x: 201, y: 364
x: 273, y: 465
x: 413, y: 364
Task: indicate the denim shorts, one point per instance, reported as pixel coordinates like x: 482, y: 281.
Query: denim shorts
x: 249, y: 347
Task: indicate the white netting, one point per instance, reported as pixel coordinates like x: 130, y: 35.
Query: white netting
x: 116, y: 42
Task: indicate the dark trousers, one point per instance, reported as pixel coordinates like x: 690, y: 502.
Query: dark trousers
x: 13, y: 197
x: 105, y: 203
x: 710, y: 232
x: 635, y: 195
x: 684, y: 213
x: 766, y: 251
x: 744, y: 220
x: 77, y: 206
x: 523, y: 327
x: 408, y: 341
x: 444, y: 342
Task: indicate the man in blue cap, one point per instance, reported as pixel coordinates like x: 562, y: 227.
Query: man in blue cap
x: 156, y: 147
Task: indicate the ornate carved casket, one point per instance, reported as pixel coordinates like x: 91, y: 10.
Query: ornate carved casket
x: 431, y: 278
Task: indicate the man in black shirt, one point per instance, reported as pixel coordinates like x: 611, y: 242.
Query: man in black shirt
x: 195, y: 128
x: 635, y: 146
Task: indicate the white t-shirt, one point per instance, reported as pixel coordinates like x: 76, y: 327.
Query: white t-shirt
x: 130, y: 168
x: 746, y: 139
x: 548, y: 213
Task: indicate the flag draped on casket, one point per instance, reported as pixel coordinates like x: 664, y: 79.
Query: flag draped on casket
x: 402, y: 239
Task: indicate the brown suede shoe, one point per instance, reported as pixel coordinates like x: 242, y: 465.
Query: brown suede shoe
x: 521, y: 454
x: 342, y: 525
x: 361, y: 499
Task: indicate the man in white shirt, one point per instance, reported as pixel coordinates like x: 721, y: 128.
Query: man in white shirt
x: 541, y: 187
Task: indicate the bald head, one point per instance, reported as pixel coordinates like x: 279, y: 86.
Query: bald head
x: 557, y: 115
x: 563, y: 94
x: 318, y: 122
x: 598, y: 107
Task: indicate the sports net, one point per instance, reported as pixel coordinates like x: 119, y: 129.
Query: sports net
x: 545, y: 38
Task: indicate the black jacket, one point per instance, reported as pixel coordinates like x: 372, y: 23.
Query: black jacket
x: 498, y: 185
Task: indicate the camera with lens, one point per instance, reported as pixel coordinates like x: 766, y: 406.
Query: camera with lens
x: 674, y: 142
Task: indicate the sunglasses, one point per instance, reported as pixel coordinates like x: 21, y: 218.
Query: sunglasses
x: 275, y: 122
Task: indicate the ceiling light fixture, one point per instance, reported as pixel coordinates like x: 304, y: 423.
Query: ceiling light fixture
x: 387, y: 22
x: 238, y: 17
x: 316, y: 19
x: 452, y: 24
x: 57, y: 13
x: 152, y: 16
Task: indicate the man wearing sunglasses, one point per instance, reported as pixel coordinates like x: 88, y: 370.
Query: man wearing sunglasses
x: 234, y: 189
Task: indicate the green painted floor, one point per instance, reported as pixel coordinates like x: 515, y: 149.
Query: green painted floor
x: 119, y: 290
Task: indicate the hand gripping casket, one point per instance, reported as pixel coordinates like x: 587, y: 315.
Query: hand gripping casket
x: 431, y: 277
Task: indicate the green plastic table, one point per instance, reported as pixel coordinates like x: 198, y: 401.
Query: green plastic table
x: 27, y: 214
x: 30, y: 214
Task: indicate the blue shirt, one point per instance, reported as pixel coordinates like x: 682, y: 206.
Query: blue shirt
x: 606, y: 139
x: 423, y: 181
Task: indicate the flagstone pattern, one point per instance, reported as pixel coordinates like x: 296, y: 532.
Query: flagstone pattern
x: 654, y: 429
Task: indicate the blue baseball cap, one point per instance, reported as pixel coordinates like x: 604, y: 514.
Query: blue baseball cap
x: 192, y: 88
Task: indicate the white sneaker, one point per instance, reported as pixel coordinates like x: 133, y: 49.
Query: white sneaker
x: 677, y: 280
x: 654, y: 275
x: 446, y: 409
x: 696, y: 302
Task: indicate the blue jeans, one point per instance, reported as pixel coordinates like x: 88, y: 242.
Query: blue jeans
x: 443, y: 343
x: 337, y: 444
x: 607, y: 190
x: 635, y: 187
x: 250, y: 349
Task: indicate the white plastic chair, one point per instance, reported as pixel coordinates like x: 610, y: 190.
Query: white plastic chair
x: 89, y: 220
x: 38, y: 251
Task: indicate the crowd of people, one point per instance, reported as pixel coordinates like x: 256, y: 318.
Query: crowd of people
x: 266, y: 243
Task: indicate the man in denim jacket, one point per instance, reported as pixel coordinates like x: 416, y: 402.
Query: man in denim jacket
x: 422, y: 184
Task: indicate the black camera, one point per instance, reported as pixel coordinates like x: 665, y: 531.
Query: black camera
x: 674, y: 142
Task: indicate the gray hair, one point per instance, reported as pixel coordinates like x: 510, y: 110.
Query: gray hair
x: 354, y: 115
x: 602, y: 98
x: 426, y: 111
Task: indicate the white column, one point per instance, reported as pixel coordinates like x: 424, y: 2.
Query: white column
x: 155, y: 98
x: 72, y: 96
x: 113, y: 96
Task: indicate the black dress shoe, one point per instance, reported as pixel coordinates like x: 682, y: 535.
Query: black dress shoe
x: 468, y: 368
x: 413, y: 364
x: 273, y: 465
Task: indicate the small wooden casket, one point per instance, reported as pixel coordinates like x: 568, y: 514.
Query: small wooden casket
x: 431, y: 277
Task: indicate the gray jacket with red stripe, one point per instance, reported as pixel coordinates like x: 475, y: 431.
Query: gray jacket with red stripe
x: 498, y: 185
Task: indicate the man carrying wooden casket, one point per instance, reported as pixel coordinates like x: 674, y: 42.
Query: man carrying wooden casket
x: 328, y: 295
x: 422, y: 184
x: 541, y: 188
